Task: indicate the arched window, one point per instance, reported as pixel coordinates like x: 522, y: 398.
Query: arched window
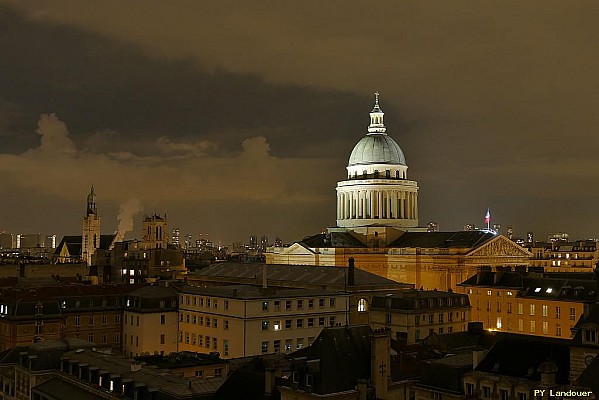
x: 364, y: 174
x: 397, y: 174
x: 362, y: 305
x: 388, y: 174
x: 376, y: 173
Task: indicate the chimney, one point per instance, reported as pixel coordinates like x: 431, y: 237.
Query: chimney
x: 548, y: 371
x: 380, y: 368
x: 362, y: 386
x: 351, y: 271
x: 477, y: 357
x: 135, y: 367
x: 476, y: 328
x: 264, y: 277
x: 270, y: 376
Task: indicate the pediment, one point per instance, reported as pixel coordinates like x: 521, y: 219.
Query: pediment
x: 297, y: 249
x: 500, y: 246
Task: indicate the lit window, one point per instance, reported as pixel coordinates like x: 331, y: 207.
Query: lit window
x: 549, y: 290
x: 537, y: 290
x: 362, y: 305
x: 509, y: 293
x: 277, y: 325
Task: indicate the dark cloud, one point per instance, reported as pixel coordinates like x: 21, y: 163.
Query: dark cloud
x: 493, y: 104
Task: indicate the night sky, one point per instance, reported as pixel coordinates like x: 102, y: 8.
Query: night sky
x: 238, y: 118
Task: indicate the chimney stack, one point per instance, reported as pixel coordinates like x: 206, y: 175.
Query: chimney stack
x: 264, y: 277
x: 351, y: 279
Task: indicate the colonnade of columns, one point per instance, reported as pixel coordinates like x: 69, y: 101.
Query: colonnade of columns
x: 377, y: 204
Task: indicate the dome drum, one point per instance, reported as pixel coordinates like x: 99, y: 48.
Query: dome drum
x: 377, y: 171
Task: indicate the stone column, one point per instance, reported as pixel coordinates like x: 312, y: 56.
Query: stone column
x: 416, y: 205
x: 401, y: 208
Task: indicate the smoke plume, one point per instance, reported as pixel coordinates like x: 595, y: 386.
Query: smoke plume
x: 127, y: 211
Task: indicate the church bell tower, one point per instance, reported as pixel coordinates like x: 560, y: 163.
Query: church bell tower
x: 90, y: 239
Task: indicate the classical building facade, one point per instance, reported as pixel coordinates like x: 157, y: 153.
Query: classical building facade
x: 377, y: 225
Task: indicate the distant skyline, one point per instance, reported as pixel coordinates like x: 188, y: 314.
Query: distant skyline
x: 237, y: 119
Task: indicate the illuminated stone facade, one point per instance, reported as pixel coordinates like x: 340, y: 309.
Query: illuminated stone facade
x: 377, y: 225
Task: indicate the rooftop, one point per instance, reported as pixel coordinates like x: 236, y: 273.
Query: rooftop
x: 249, y: 292
x: 292, y: 276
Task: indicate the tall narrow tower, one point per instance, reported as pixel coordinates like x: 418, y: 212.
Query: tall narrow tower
x: 154, y: 232
x: 90, y: 239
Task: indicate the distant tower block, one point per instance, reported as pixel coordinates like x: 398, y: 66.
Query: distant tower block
x: 510, y: 232
x: 176, y: 237
x: 377, y: 191
x: 91, y: 229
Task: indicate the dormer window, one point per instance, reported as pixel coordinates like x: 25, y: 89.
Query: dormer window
x: 589, y: 336
x: 537, y: 290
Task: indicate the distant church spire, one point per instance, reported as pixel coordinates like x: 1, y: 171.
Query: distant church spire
x: 376, y: 118
x: 91, y: 203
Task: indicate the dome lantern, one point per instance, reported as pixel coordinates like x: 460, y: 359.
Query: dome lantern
x: 376, y: 118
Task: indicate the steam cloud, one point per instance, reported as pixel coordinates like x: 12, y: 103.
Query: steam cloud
x: 127, y: 211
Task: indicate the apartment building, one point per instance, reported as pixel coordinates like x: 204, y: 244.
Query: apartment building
x: 150, y: 321
x: 559, y: 256
x: 529, y: 303
x: 244, y: 320
x: 360, y: 284
x: 88, y: 312
x: 413, y: 315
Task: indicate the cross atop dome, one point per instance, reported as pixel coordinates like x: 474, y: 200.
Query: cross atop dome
x: 376, y: 118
